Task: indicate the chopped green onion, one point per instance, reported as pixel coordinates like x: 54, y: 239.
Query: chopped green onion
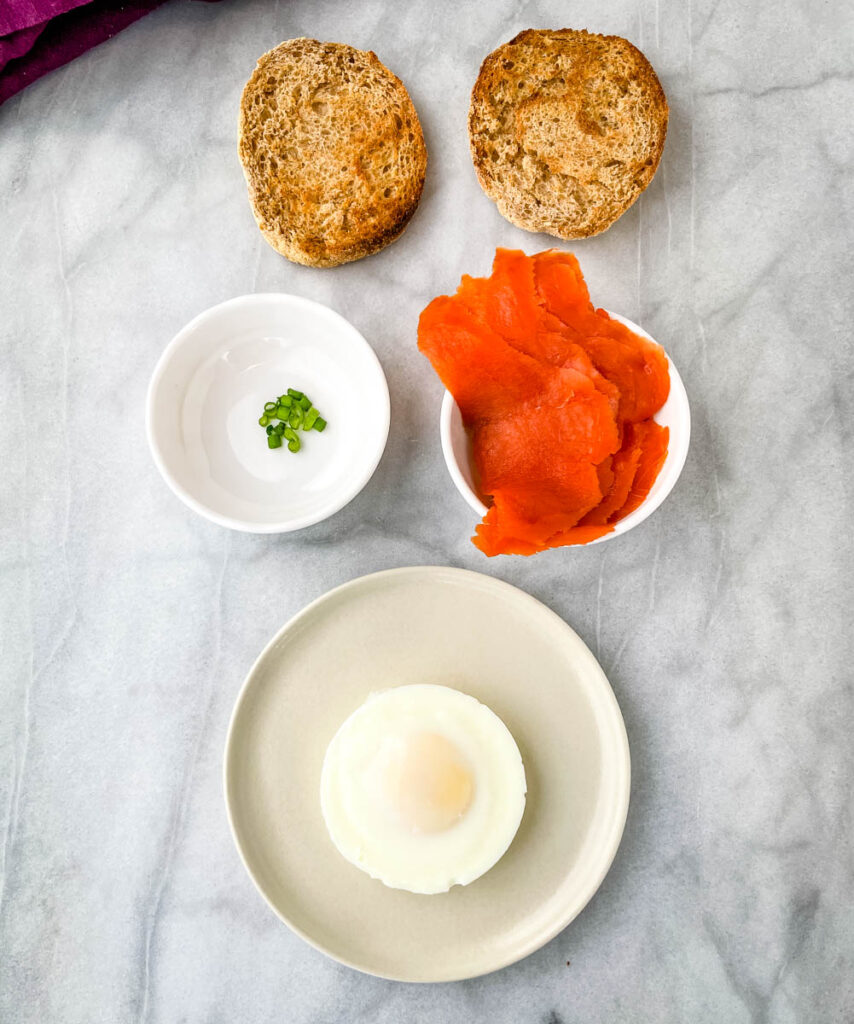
x: 294, y: 411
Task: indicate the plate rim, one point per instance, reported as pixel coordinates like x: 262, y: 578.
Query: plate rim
x: 181, y: 492
x: 621, y: 757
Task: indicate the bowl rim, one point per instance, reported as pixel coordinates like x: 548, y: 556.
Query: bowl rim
x: 673, y: 463
x: 233, y: 522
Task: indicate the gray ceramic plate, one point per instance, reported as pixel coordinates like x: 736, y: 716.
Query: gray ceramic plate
x: 481, y: 636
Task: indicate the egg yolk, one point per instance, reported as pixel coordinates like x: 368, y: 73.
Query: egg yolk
x: 426, y: 782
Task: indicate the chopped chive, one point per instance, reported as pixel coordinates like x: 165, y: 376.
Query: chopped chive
x: 285, y: 416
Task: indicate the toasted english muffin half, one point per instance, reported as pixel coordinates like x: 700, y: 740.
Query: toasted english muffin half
x: 566, y: 129
x: 332, y: 152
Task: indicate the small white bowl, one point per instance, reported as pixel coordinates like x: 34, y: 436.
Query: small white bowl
x: 675, y: 414
x: 208, y: 391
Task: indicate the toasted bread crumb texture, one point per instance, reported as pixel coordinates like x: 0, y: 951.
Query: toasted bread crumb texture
x: 566, y: 129
x: 332, y: 151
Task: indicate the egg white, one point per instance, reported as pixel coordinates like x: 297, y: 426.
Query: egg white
x: 376, y: 841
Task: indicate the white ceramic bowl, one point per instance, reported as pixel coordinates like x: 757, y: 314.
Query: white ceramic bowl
x: 208, y: 391
x: 675, y: 414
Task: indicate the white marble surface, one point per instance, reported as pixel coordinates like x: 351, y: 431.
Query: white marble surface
x: 723, y: 622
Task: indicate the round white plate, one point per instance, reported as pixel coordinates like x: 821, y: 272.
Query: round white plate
x: 208, y: 392
x: 478, y: 635
x: 675, y: 414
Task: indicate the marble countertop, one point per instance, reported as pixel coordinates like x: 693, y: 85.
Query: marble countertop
x: 723, y: 623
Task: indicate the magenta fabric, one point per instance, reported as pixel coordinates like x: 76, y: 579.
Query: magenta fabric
x: 16, y: 44
x: 41, y: 35
x: 18, y: 14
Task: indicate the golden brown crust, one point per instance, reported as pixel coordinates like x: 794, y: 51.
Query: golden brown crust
x: 332, y: 151
x: 566, y: 129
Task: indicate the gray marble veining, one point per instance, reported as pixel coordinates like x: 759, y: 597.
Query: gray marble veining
x: 723, y: 622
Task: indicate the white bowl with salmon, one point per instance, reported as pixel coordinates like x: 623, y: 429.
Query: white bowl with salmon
x: 675, y: 414
x: 562, y: 424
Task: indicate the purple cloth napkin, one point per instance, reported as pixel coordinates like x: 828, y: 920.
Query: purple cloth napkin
x: 37, y: 36
x: 18, y: 14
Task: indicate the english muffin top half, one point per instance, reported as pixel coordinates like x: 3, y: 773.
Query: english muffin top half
x: 566, y: 129
x: 332, y: 151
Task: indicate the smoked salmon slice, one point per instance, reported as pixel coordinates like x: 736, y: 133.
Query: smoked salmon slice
x: 635, y: 365
x: 653, y: 452
x: 624, y: 466
x: 530, y: 515
x: 485, y: 375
